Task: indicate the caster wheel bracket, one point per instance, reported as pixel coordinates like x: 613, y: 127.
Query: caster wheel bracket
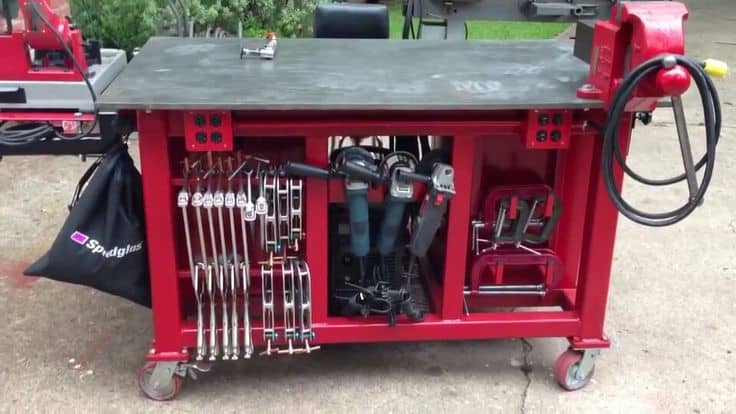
x: 161, y: 381
x: 163, y: 374
x: 587, y: 362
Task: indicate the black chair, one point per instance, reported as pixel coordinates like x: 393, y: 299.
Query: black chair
x: 351, y: 21
x: 361, y: 21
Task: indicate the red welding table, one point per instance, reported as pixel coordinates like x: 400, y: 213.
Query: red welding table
x: 480, y: 100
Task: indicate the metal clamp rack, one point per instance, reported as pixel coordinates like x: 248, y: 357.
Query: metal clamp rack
x: 218, y: 220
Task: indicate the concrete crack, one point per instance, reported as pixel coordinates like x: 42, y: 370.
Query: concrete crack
x: 526, y: 369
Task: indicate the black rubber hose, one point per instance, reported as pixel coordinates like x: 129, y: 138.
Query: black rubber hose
x: 669, y: 181
x: 77, y: 67
x: 612, y: 150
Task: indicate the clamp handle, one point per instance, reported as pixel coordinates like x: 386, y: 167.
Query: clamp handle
x: 551, y: 222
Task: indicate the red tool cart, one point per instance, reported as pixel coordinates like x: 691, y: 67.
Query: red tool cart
x: 477, y: 181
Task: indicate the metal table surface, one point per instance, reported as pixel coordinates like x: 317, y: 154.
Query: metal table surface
x: 350, y: 74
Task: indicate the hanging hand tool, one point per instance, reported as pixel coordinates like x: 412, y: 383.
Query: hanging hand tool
x: 242, y: 204
x: 211, y: 293
x: 267, y: 298
x: 261, y: 206
x: 247, y: 200
x: 441, y: 189
x: 289, y: 307
x: 400, y: 194
x: 182, y: 202
x: 269, y: 223
x: 305, y: 304
x: 296, y: 187
x: 250, y: 207
x: 198, y: 201
x: 283, y: 218
x: 234, y: 265
x: 223, y: 278
x: 356, y: 194
x: 200, y: 270
x: 208, y: 202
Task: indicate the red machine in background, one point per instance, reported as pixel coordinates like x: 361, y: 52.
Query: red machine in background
x: 47, y: 49
x: 49, y: 82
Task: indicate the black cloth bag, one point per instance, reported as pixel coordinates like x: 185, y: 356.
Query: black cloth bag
x: 102, y: 243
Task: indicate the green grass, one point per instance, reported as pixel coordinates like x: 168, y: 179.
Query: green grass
x: 487, y: 29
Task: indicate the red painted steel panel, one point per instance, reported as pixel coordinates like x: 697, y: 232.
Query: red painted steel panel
x: 159, y: 201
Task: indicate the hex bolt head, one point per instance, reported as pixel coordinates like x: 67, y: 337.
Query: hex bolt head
x: 542, y: 136
x: 556, y: 136
x: 215, y: 120
x: 216, y: 137
x: 201, y: 137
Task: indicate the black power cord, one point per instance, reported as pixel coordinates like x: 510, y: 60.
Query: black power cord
x: 78, y: 68
x: 612, y: 148
x: 22, y: 134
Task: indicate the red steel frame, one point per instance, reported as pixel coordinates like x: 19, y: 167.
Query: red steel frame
x: 584, y: 238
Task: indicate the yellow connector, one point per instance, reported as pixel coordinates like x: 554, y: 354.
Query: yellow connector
x: 715, y: 68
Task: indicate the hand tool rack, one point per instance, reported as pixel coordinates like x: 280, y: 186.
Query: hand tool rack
x: 507, y: 114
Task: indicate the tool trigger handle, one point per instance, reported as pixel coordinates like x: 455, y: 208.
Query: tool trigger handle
x: 354, y: 170
x: 411, y: 176
x: 305, y: 170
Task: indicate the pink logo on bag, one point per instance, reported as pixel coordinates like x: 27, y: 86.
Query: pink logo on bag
x: 79, y: 238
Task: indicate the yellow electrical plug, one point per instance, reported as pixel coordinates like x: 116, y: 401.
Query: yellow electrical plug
x: 715, y: 68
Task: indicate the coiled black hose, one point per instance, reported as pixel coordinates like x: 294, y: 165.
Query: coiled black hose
x: 612, y: 149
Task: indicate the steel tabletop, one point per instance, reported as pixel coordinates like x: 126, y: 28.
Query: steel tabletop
x: 350, y: 74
